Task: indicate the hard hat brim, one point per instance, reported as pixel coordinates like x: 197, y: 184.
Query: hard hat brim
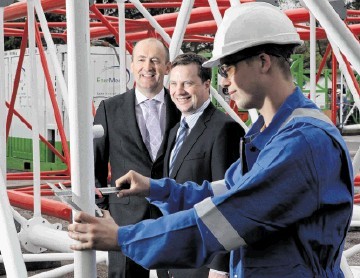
x: 215, y: 60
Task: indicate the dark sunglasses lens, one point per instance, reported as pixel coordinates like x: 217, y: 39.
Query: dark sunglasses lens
x: 222, y: 72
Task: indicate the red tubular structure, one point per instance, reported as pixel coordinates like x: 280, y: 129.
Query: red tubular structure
x: 48, y: 206
x: 53, y: 99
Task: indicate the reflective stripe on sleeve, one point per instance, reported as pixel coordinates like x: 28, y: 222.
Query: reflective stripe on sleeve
x: 219, y: 187
x: 218, y: 225
x: 307, y: 112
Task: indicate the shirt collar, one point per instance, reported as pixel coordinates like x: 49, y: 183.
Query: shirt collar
x: 140, y: 98
x: 191, y: 119
x: 295, y: 100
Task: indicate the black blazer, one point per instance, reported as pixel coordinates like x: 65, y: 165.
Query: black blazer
x: 207, y: 152
x: 123, y: 147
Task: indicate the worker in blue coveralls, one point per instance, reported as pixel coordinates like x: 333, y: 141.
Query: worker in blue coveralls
x: 284, y: 207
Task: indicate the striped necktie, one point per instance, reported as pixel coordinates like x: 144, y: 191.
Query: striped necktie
x: 153, y: 134
x: 179, y: 141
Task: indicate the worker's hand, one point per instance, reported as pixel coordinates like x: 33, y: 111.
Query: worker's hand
x: 133, y: 184
x: 94, y: 232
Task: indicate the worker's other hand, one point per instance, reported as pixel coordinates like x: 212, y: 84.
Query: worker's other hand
x: 94, y: 232
x: 133, y: 184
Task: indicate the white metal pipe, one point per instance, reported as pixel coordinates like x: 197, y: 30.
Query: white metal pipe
x: 312, y: 58
x: 46, y: 257
x: 355, y: 223
x: 57, y: 272
x: 9, y: 243
x: 54, y: 257
x: 41, y: 235
x: 80, y: 119
x: 52, y: 51
x: 348, y: 115
x: 32, y: 81
x: 227, y: 108
x: 356, y: 162
x: 18, y: 217
x: 180, y: 28
x: 352, y: 251
x: 2, y: 97
x: 234, y: 3
x: 341, y: 104
x: 151, y: 20
x: 345, y: 72
x: 63, y: 270
x: 345, y: 268
x: 351, y: 127
x: 179, y: 32
x: 351, y: 86
x: 253, y: 115
x: 122, y: 48
x: 215, y: 11
x: 335, y: 27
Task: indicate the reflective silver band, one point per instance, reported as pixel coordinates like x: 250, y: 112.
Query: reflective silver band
x: 307, y: 112
x: 219, y: 187
x: 218, y: 225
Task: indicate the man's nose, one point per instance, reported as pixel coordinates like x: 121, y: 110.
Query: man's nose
x: 224, y: 82
x: 148, y: 64
x: 179, y: 87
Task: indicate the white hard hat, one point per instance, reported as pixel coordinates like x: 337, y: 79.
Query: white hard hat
x: 251, y: 24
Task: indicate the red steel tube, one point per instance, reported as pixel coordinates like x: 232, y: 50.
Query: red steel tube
x: 16, y: 80
x: 54, y: 103
x: 48, y: 206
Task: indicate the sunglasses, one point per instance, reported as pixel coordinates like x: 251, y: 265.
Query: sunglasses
x: 225, y: 67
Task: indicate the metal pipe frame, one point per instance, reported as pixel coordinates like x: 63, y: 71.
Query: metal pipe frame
x: 78, y: 48
x: 9, y: 245
x: 80, y: 119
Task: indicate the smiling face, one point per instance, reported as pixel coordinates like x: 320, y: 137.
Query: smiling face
x: 187, y: 90
x: 149, y: 65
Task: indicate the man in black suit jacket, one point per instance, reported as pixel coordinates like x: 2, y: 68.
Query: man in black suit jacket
x: 211, y: 144
x: 123, y: 119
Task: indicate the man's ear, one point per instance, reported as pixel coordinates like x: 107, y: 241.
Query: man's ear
x: 207, y: 83
x: 168, y: 68
x: 265, y: 60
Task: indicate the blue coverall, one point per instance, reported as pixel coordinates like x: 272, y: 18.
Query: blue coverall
x: 283, y: 210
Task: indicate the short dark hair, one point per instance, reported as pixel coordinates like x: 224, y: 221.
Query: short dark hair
x: 282, y: 52
x: 167, y: 54
x: 193, y: 58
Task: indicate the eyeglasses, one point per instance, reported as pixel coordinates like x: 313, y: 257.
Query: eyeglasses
x: 224, y: 68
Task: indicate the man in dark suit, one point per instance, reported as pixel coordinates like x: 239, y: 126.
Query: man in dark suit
x: 128, y: 143
x: 210, y: 143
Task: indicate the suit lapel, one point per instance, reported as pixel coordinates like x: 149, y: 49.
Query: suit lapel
x: 192, y: 138
x: 172, y: 117
x: 129, y: 109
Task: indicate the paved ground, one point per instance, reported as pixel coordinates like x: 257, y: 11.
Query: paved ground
x: 353, y: 238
